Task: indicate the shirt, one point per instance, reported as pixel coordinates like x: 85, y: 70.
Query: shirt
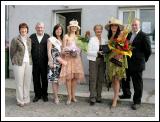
x: 134, y: 34
x: 39, y: 38
x: 26, y: 55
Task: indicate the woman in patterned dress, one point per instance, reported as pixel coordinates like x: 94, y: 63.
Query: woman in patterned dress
x: 55, y: 61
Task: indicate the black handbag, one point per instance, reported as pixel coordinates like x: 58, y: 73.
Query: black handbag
x: 116, y: 62
x: 106, y: 49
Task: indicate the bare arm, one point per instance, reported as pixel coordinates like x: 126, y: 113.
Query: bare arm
x: 65, y: 41
x: 49, y: 47
x: 64, y: 45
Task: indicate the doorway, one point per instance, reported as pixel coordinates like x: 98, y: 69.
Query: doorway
x: 63, y: 17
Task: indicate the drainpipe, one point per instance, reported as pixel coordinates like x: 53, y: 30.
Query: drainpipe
x: 6, y: 41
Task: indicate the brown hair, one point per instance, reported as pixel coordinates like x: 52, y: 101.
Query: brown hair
x: 23, y: 25
x: 54, y: 31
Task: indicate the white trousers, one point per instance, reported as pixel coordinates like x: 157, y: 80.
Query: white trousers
x: 23, y: 76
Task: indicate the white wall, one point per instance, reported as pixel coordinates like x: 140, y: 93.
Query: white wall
x: 91, y: 15
x: 150, y: 67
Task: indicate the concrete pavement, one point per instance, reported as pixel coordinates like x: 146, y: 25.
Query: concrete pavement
x: 82, y: 90
x: 82, y: 107
x: 79, y: 109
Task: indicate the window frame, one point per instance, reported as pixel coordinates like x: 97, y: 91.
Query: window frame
x: 137, y: 9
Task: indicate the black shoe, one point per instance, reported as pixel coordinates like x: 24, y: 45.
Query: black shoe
x: 99, y: 101
x: 36, y: 99
x: 125, y: 96
x: 92, y: 103
x: 135, y: 106
x: 45, y: 99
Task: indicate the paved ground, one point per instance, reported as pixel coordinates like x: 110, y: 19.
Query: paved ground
x: 82, y: 108
x: 79, y: 109
x: 83, y: 90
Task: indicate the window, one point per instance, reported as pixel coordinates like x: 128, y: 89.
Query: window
x: 147, y: 17
x: 145, y: 14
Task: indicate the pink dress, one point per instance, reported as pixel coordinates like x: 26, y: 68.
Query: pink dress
x: 74, y: 67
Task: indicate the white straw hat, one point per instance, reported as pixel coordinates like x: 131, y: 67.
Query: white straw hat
x: 116, y: 22
x: 74, y: 23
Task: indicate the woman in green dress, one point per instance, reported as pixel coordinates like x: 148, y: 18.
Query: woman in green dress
x: 115, y: 72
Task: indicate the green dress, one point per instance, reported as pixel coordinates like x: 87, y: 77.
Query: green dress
x: 114, y: 70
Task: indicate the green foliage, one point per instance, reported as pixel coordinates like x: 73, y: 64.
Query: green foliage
x: 82, y: 43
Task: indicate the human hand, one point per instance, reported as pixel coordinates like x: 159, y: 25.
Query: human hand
x: 100, y: 52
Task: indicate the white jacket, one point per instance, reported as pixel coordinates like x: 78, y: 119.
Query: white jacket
x: 93, y: 48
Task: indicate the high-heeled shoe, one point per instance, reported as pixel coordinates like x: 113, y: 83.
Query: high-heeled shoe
x: 74, y: 100
x: 56, y: 101
x: 114, y: 104
x: 68, y: 102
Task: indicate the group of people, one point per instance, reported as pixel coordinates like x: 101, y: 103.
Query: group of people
x: 57, y: 59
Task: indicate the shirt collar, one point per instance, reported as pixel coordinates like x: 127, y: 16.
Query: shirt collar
x: 39, y: 35
x: 136, y: 32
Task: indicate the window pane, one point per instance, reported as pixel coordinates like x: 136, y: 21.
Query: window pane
x: 126, y: 16
x: 147, y: 17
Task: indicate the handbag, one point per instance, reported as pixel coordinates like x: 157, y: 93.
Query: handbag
x: 106, y: 49
x: 116, y: 62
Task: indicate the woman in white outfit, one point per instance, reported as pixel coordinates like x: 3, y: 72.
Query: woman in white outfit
x: 20, y: 53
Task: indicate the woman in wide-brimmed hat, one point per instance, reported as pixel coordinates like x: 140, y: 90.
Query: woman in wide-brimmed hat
x: 115, y: 72
x: 73, y: 72
x: 114, y: 21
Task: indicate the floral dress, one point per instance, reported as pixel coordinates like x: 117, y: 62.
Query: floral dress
x: 54, y: 73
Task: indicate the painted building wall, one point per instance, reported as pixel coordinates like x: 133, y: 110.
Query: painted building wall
x: 90, y: 15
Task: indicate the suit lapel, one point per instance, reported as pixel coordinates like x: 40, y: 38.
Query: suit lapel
x: 137, y: 36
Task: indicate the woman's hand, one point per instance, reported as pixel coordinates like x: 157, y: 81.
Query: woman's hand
x: 66, y: 51
x: 100, y: 52
x: 51, y: 65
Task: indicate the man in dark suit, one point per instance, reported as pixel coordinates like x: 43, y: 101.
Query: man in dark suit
x: 136, y: 64
x: 40, y: 62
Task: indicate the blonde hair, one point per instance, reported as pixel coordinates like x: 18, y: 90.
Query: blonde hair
x: 69, y: 31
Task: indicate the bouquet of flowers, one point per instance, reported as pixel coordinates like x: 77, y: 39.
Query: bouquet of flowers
x: 121, y: 45
x: 82, y: 43
x: 73, y: 50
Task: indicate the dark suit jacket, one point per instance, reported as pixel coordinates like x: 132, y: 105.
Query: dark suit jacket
x: 39, y: 50
x: 140, y: 53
